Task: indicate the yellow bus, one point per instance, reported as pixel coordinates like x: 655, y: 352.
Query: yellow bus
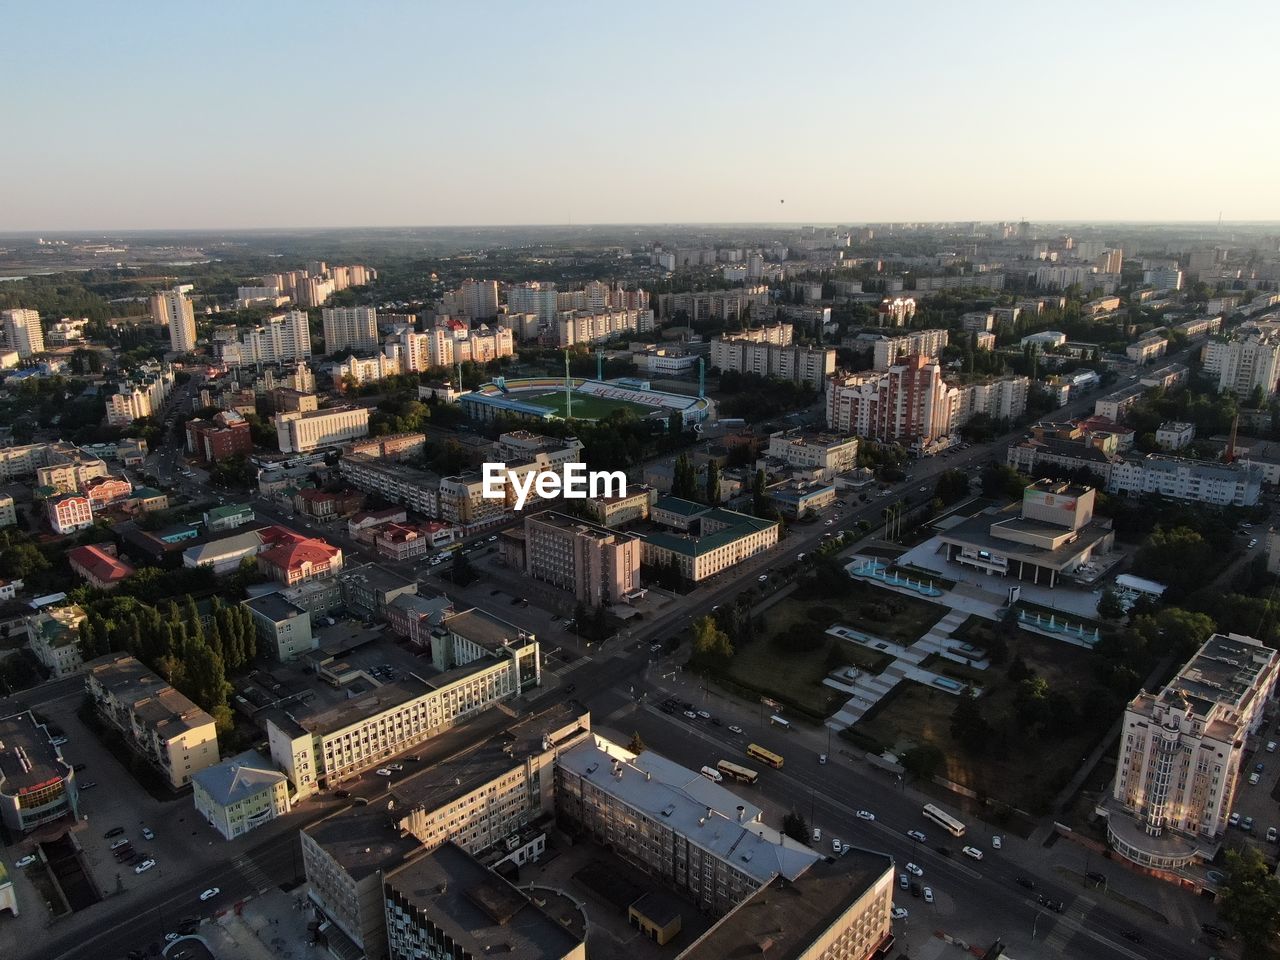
x: 741, y: 774
x: 758, y: 752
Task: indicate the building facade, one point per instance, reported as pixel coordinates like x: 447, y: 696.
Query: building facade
x: 598, y: 565
x: 298, y: 432
x: 239, y: 794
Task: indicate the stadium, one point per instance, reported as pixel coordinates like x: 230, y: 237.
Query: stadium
x: 546, y: 398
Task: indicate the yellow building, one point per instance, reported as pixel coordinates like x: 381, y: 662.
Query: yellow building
x: 241, y: 793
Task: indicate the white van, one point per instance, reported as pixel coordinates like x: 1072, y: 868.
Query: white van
x: 712, y: 774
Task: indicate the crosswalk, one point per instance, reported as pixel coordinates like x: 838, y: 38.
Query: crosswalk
x: 252, y: 873
x: 1060, y: 937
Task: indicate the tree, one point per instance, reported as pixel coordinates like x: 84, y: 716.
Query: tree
x: 684, y: 480
x: 969, y: 727
x: 795, y: 826
x: 1250, y: 899
x: 922, y: 762
x: 713, y: 485
x: 1110, y: 607
x: 462, y: 573
x: 22, y: 560
x: 711, y: 645
x: 636, y: 744
x: 952, y: 486
x: 759, y: 501
x: 999, y: 480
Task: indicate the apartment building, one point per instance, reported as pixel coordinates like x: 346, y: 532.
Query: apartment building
x: 823, y: 453
x: 886, y: 351
x: 172, y: 309
x: 748, y: 353
x: 1199, y: 481
x: 1148, y: 348
x: 697, y: 837
x: 526, y: 445
x: 895, y: 311
x: 69, y: 513
x: 981, y: 321
x: 23, y: 332
x: 53, y: 638
x: 1179, y: 763
x: 574, y: 327
x: 298, y: 432
x: 239, y: 794
x: 988, y: 280
x: 357, y: 371
x: 1003, y: 399
x: 482, y: 660
x: 283, y: 627
x: 909, y: 400
x: 712, y: 541
x: 227, y: 435
x: 419, y: 490
x: 68, y: 469
x: 37, y: 786
x: 448, y: 904
x: 281, y: 339
x: 1174, y: 435
x: 619, y: 511
x: 732, y: 306
x: 350, y: 328
x: 159, y: 724
x: 598, y: 565
x: 1249, y: 359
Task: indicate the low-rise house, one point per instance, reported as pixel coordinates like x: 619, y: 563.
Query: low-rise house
x: 98, y: 565
x: 241, y: 793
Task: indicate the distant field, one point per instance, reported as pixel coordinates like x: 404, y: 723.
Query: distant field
x: 585, y: 407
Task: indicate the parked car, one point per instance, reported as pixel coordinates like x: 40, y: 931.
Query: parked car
x: 113, y: 832
x: 928, y: 894
x: 822, y: 758
x: 80, y: 767
x: 144, y: 866
x: 734, y: 728
x: 383, y: 772
x: 973, y: 852
x: 836, y: 845
x: 148, y: 834
x: 1214, y: 930
x: 1259, y: 767
x: 996, y: 843
x: 915, y: 870
x: 763, y: 577
x: 1271, y: 746
x: 817, y: 835
x: 865, y: 815
x: 395, y: 766
x: 899, y: 913
x: 122, y: 842
x: 704, y: 714
x: 915, y: 890
x: 1247, y: 825
x: 903, y: 881
x: 342, y: 794
x: 691, y: 715
x: 1234, y: 820
x: 1271, y: 834
x: 1024, y: 882
x: 26, y: 861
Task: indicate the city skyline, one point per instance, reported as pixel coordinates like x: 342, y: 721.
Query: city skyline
x: 433, y: 116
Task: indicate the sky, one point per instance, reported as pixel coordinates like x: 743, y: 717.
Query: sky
x: 229, y: 115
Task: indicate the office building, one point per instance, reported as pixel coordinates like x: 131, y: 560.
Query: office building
x: 350, y: 328
x: 709, y: 541
x: 172, y: 309
x: 36, y: 785
x: 23, y: 332
x: 1179, y: 764
x: 158, y: 723
x: 598, y: 565
x: 69, y: 513
x: 298, y: 432
x: 239, y: 794
x: 886, y: 351
x: 687, y: 833
x: 1163, y: 278
x: 825, y: 454
x: 283, y: 627
x: 371, y: 588
x: 619, y: 511
x: 447, y: 904
x: 227, y: 435
x: 1046, y: 537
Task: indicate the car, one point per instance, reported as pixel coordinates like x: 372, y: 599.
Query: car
x: 691, y: 715
x: 904, y: 881
x: 1271, y: 746
x: 704, y: 714
x: 1234, y: 820
x: 494, y: 538
x: 80, y: 767
x: 972, y: 852
x: 928, y: 894
x: 148, y: 833
x: 915, y: 870
x: 915, y: 890
x: 1096, y: 877
x: 734, y: 728
x: 822, y: 758
x: 924, y: 490
x: 26, y: 861
x: 210, y: 894
x: 383, y: 772
x: 1025, y: 882
x: 1247, y: 825
x: 1271, y: 834
x: 1253, y: 543
x: 170, y: 937
x: 395, y: 766
x: 1214, y: 930
x: 1254, y: 778
x: 799, y: 556
x: 830, y: 522
x: 113, y: 832
x: 916, y: 835
x: 865, y: 815
x: 655, y: 647
x: 1259, y: 767
x: 836, y: 845
x: 122, y: 842
x: 1133, y: 936
x: 342, y: 794
x: 763, y: 577
x: 996, y: 843
x: 817, y: 834
x: 144, y: 866
x: 668, y: 709
x: 899, y: 913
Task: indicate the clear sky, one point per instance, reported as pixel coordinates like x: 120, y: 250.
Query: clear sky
x: 227, y: 114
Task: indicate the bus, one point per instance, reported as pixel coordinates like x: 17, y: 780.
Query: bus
x: 764, y: 756
x: 741, y: 774
x: 944, y: 820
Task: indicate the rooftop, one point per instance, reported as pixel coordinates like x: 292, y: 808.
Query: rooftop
x: 160, y: 706
x: 27, y: 758
x: 375, y: 577
x: 100, y: 564
x: 783, y: 919
x: 739, y: 526
x: 1224, y: 672
x: 484, y: 629
x: 684, y: 508
x: 705, y: 813
x: 274, y: 607
x: 364, y: 840
x: 244, y: 775
x: 481, y: 913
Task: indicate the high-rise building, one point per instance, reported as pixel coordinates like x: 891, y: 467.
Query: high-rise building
x: 172, y: 309
x: 23, y: 332
x: 1179, y: 764
x: 909, y: 400
x: 278, y: 339
x: 1251, y: 358
x: 350, y: 328
x: 574, y: 326
x: 769, y: 352
x: 925, y: 343
x: 599, y: 565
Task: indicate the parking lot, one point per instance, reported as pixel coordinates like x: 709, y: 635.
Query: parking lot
x: 1256, y: 810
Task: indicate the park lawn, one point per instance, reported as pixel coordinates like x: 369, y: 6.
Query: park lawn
x: 908, y: 626
x: 585, y: 406
x: 1027, y: 774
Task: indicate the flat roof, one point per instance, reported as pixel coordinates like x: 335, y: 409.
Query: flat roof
x: 27, y: 758
x: 484, y: 629
x: 706, y: 813
x: 376, y: 576
x: 686, y: 508
x: 159, y: 705
x: 976, y: 532
x: 478, y: 910
x: 274, y: 607
x: 740, y: 525
x: 783, y: 919
x: 364, y: 839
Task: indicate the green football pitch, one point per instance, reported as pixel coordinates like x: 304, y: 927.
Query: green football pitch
x: 585, y: 406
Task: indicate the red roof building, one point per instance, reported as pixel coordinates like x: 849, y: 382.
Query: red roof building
x: 99, y: 566
x: 103, y: 491
x: 296, y: 562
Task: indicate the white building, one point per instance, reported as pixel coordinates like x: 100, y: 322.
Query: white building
x: 1045, y: 339
x: 926, y: 343
x: 241, y: 793
x: 280, y: 339
x: 23, y: 332
x: 1163, y: 278
x: 172, y: 309
x: 1250, y: 359
x: 1147, y: 348
x: 1179, y: 765
x: 586, y: 327
x: 755, y: 351
x: 1201, y: 481
x: 827, y: 454
x: 350, y: 328
x: 298, y: 432
x: 1175, y: 435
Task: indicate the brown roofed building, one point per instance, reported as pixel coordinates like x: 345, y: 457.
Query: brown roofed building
x: 98, y: 565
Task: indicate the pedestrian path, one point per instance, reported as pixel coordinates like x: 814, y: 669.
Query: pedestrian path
x: 253, y: 873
